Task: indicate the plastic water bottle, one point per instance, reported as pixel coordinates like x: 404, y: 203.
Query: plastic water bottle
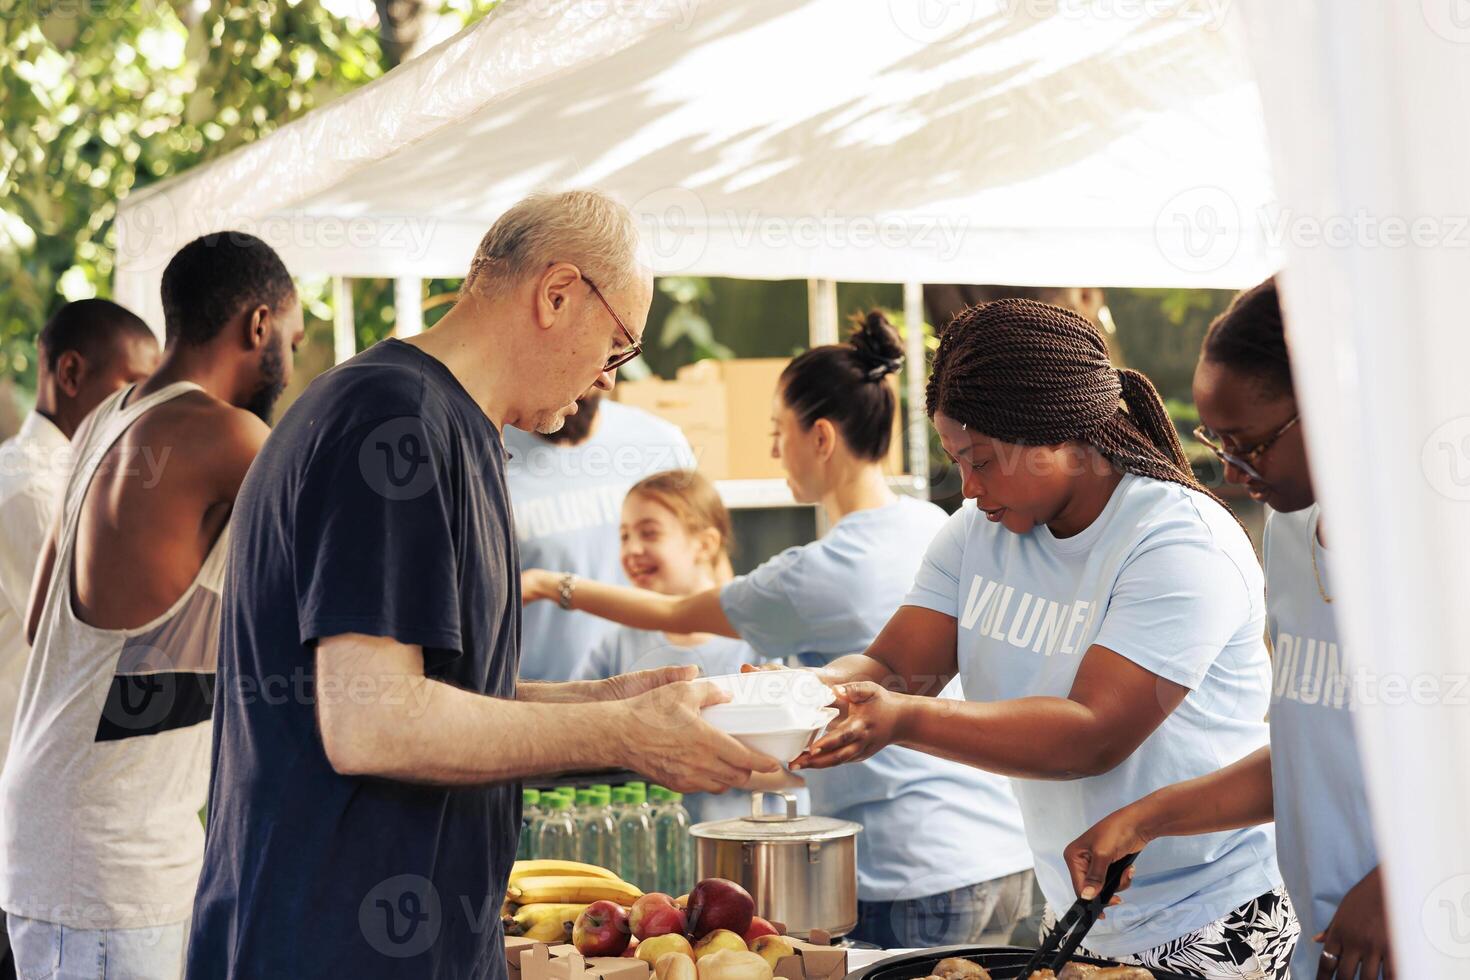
x: 672, y: 842
x: 598, y: 839
x: 635, y: 841
x: 556, y: 837
x: 530, y: 813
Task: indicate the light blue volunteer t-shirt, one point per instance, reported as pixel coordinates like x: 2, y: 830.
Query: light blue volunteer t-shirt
x: 929, y: 825
x: 568, y: 501
x: 1324, y: 835
x: 625, y: 650
x: 1166, y: 578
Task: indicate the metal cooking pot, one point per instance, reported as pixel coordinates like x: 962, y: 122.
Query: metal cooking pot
x: 801, y: 871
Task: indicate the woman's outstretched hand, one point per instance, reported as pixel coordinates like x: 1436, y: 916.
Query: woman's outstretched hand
x: 538, y: 583
x: 870, y: 721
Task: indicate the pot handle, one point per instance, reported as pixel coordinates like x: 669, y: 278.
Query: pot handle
x: 758, y: 800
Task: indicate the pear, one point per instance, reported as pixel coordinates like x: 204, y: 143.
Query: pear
x: 729, y: 964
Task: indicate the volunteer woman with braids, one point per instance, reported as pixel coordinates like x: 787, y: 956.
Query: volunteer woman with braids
x: 1106, y: 616
x: 1310, y: 778
x: 942, y: 858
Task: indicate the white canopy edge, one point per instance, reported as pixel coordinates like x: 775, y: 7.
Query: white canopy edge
x: 773, y: 139
x: 1365, y: 105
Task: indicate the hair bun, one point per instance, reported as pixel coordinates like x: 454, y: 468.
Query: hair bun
x: 878, y: 347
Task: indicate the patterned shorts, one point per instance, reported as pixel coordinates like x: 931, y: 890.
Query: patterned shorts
x: 1255, y: 942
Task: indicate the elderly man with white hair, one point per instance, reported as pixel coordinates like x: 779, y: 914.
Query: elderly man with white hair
x: 369, y: 732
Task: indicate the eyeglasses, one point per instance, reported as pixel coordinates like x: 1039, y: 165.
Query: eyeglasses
x: 1243, y: 459
x: 635, y: 346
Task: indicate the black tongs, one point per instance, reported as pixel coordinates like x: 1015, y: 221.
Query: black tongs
x: 1074, y: 926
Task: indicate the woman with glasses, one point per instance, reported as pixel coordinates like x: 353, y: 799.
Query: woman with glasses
x: 942, y: 858
x: 1309, y: 779
x: 1106, y: 614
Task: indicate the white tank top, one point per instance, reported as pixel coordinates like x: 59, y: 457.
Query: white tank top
x: 109, y: 760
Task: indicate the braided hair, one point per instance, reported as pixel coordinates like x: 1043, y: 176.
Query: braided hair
x: 1249, y: 338
x: 847, y: 385
x: 1031, y: 374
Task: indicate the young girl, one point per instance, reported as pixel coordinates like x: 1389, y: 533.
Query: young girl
x: 942, y: 858
x: 1310, y: 778
x: 1106, y: 615
x: 675, y: 535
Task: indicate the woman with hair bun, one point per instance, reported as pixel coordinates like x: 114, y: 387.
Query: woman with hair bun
x: 1106, y: 615
x: 942, y: 858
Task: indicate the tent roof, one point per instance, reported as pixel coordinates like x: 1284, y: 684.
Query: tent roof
x: 856, y: 141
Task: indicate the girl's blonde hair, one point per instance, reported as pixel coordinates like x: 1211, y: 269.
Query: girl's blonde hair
x: 694, y: 500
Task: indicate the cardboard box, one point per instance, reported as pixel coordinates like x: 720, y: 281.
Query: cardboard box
x: 533, y: 960
x: 696, y: 407
x: 724, y: 409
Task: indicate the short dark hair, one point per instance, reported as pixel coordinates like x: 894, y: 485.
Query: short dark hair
x: 845, y: 384
x: 213, y: 278
x: 1250, y: 339
x: 91, y: 327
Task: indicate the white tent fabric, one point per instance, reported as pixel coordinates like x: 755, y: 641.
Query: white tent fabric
x: 1365, y: 104
x: 981, y: 140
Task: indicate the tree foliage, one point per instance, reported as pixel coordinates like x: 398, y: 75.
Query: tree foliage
x: 105, y: 96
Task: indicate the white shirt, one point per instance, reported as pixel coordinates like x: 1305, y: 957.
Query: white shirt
x: 1324, y: 835
x: 568, y: 501
x: 1165, y: 578
x: 33, y: 468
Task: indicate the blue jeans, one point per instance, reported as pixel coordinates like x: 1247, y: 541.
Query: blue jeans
x: 48, y: 951
x: 982, y: 914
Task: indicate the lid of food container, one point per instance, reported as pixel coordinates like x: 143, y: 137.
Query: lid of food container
x: 777, y: 828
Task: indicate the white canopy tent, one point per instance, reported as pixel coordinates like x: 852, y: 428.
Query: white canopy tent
x: 820, y: 139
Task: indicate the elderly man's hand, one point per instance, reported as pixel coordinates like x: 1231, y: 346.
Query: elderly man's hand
x: 669, y: 742
x: 634, y: 683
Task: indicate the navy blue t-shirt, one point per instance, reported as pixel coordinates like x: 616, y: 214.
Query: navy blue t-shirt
x: 377, y: 506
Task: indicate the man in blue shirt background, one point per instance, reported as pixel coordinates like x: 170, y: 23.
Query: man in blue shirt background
x: 567, y: 488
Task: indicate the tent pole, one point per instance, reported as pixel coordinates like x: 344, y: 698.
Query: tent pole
x: 821, y: 325
x: 344, y: 330
x: 915, y: 377
x: 821, y: 310
x: 408, y: 306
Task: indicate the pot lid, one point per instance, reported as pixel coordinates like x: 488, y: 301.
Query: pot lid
x: 781, y: 830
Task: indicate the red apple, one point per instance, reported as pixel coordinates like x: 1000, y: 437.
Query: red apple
x: 716, y: 903
x: 601, y: 930
x: 758, y: 927
x: 655, y: 915
x: 632, y: 949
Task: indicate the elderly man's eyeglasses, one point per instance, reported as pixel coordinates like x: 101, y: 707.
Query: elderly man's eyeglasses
x: 1244, y: 460
x: 635, y: 346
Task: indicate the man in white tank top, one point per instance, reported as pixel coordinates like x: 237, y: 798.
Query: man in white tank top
x: 100, y: 841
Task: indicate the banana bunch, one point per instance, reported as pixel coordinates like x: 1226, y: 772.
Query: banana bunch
x: 545, y: 922
x: 549, y: 868
x: 562, y: 889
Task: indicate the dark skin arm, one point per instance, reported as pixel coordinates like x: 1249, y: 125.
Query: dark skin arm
x: 1113, y: 705
x: 1228, y: 799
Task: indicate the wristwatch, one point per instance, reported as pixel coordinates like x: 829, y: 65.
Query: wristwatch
x: 564, y: 587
